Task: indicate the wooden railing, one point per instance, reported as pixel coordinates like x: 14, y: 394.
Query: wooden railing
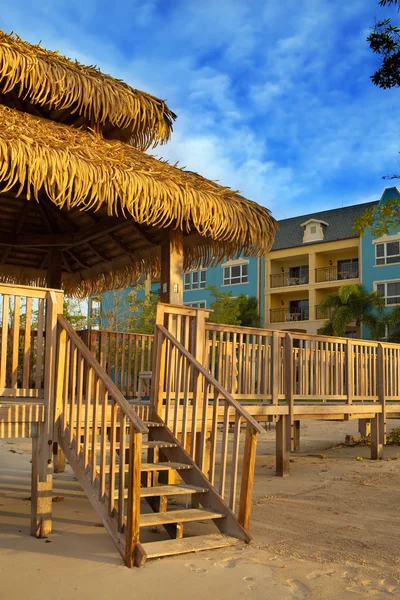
x: 349, y: 271
x: 246, y: 361
x: 101, y: 435
x: 123, y: 356
x: 23, y: 326
x: 184, y: 389
x: 257, y: 364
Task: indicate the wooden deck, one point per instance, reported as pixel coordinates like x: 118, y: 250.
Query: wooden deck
x: 20, y: 418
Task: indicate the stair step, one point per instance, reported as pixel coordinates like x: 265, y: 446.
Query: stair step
x: 179, y: 516
x: 160, y: 466
x: 190, y: 544
x: 166, y: 490
x: 145, y: 445
x: 171, y: 490
x: 164, y: 466
x: 156, y: 444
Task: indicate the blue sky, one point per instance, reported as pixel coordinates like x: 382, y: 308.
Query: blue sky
x: 273, y: 98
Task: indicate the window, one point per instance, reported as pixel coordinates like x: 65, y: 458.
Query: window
x: 348, y: 268
x: 236, y: 274
x: 199, y: 304
x: 194, y: 280
x: 298, y: 275
x: 393, y: 333
x: 391, y: 291
x: 313, y: 229
x: 387, y: 253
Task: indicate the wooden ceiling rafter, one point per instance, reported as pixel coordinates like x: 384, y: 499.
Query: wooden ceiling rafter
x: 24, y: 213
x: 58, y: 214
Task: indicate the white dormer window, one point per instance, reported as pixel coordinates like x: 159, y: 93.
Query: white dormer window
x: 313, y: 230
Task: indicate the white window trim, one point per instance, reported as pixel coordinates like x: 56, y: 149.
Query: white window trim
x: 385, y: 241
x: 235, y: 263
x: 387, y: 238
x: 192, y: 289
x: 196, y: 302
x: 230, y: 264
x: 386, y: 281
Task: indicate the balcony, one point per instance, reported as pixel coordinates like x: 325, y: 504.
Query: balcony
x: 287, y: 315
x: 289, y: 279
x: 340, y: 273
x: 322, y: 315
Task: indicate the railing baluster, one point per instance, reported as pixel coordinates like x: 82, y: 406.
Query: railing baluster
x: 113, y: 454
x: 235, y: 462
x: 88, y: 399
x: 177, y: 392
x: 79, y: 394
x: 213, y: 437
x: 103, y: 439
x: 224, y: 450
x: 94, y: 426
x: 27, y: 344
x: 121, y: 486
x: 4, y: 341
x: 72, y: 391
x: 15, y: 342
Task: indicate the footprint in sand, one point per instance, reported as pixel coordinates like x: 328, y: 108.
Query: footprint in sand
x: 228, y: 563
x: 386, y: 588
x: 299, y: 590
x: 319, y: 574
x: 195, y: 569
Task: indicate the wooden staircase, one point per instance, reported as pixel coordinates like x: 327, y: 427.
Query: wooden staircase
x: 152, y: 483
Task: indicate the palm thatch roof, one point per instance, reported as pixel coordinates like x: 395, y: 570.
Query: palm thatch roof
x: 105, y: 205
x: 47, y: 84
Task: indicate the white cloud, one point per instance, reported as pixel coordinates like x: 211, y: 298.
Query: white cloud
x: 274, y: 99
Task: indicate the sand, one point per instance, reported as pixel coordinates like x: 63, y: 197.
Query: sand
x: 329, y: 531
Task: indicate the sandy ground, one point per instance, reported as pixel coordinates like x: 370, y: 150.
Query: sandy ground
x: 329, y: 531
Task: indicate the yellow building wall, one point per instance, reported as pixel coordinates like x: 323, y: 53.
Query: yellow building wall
x: 316, y: 256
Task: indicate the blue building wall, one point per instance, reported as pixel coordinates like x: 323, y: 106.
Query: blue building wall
x: 372, y: 273
x: 214, y: 277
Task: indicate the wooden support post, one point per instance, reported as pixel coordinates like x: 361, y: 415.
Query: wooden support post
x: 376, y: 443
x: 41, y: 492
x: 276, y: 362
x: 289, y: 392
x: 364, y: 427
x: 350, y: 371
x: 248, y: 467
x: 171, y: 266
x: 381, y: 385
x: 54, y: 271
x: 133, y: 554
x: 58, y: 456
x: 296, y: 447
x: 59, y: 460
x: 282, y: 447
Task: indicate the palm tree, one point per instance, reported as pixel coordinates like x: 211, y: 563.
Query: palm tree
x: 392, y: 320
x: 352, y: 303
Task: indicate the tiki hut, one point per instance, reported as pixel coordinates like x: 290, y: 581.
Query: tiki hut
x: 82, y: 206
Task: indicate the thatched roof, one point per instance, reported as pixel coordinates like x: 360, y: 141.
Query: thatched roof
x: 50, y: 85
x: 105, y: 204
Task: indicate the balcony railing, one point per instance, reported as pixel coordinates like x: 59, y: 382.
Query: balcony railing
x: 322, y: 314
x: 288, y: 279
x: 285, y: 315
x: 349, y: 271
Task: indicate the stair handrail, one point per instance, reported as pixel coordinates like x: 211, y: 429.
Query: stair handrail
x: 136, y: 421
x: 211, y: 380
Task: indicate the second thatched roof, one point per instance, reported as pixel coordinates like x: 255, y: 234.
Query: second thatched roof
x: 44, y: 82
x: 79, y: 172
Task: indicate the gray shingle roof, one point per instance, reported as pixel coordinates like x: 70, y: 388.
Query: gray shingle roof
x: 341, y: 220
